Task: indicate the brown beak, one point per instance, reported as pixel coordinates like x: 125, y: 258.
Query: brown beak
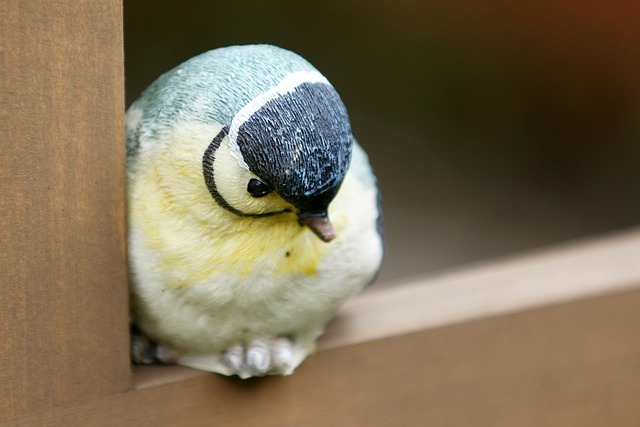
x: 318, y: 222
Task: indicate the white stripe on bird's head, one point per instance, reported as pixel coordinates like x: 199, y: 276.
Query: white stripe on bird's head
x: 286, y: 86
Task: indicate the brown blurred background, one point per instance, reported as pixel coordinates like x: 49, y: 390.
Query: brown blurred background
x: 494, y: 127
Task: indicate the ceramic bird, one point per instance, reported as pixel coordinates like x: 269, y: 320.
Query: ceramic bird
x: 253, y: 212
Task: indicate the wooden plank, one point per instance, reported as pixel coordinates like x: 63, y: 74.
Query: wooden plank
x: 63, y: 314
x: 574, y: 363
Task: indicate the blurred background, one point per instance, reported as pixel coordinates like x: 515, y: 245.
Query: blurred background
x: 495, y: 127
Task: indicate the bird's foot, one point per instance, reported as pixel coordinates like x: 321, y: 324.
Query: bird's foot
x: 260, y: 357
x: 146, y: 352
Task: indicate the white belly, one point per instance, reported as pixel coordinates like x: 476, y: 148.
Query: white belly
x: 195, y: 313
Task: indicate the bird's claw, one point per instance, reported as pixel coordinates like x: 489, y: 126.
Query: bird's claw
x: 146, y: 352
x: 260, y: 357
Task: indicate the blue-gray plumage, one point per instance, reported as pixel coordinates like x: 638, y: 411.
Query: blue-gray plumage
x: 253, y: 213
x: 200, y: 92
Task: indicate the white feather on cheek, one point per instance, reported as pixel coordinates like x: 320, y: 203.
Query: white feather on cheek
x: 232, y: 178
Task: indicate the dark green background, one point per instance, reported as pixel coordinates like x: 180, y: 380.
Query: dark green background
x: 494, y: 126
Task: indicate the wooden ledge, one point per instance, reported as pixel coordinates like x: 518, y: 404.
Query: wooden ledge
x: 546, y: 339
x: 567, y: 273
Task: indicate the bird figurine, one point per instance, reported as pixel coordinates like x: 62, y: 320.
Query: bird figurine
x: 253, y: 213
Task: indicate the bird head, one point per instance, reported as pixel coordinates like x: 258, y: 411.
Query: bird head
x: 287, y: 150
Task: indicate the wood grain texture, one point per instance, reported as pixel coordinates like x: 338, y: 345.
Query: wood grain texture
x: 63, y: 310
x: 545, y: 340
x: 574, y: 364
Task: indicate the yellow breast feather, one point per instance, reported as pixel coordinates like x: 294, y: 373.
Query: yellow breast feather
x: 184, y: 226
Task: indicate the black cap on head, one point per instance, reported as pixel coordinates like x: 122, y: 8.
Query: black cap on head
x: 300, y: 144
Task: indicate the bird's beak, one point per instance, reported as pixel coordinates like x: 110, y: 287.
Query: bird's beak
x: 318, y: 222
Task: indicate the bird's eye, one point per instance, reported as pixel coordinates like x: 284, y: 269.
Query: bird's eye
x: 258, y: 188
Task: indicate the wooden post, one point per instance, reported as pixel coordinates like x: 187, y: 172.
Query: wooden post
x: 63, y: 297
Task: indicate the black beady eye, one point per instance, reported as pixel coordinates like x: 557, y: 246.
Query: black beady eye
x: 258, y: 188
